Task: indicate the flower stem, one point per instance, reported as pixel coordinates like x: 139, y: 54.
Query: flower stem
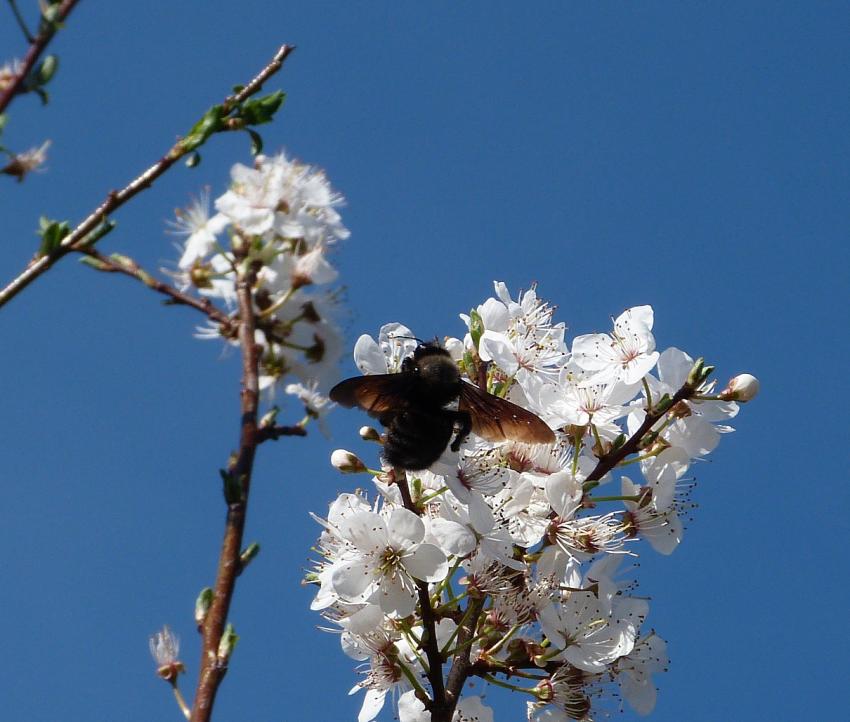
x: 181, y: 702
x: 595, y: 499
x: 407, y: 672
x: 507, y: 685
x: 648, y: 394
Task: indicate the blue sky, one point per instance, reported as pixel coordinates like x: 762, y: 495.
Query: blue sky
x: 688, y: 156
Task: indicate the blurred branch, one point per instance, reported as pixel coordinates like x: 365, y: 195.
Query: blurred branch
x: 78, y: 237
x: 273, y: 433
x: 122, y: 264
x: 37, y: 47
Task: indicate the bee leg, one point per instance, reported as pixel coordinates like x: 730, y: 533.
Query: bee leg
x: 464, y: 421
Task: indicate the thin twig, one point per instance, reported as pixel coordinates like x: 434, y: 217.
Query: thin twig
x: 214, y: 668
x: 21, y: 22
x: 116, y: 199
x: 132, y: 269
x: 37, y: 46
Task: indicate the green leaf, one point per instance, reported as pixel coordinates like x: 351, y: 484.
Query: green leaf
x: 211, y: 122
x: 51, y: 233
x: 256, y: 141
x: 476, y: 327
x: 257, y: 111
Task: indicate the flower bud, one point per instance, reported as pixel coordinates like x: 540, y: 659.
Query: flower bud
x: 347, y: 463
x: 743, y: 388
x: 368, y: 433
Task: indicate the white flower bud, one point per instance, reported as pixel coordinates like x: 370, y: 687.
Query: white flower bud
x: 743, y: 387
x: 369, y: 433
x: 455, y: 348
x: 346, y: 462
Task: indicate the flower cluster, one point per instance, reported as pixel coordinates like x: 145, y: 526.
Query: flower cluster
x: 274, y: 226
x: 503, y: 561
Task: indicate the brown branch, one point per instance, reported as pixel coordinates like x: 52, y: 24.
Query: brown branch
x: 429, y: 621
x: 213, y: 668
x: 461, y: 666
x: 37, y: 47
x: 631, y: 446
x: 129, y: 267
x: 273, y: 433
x: 115, y: 199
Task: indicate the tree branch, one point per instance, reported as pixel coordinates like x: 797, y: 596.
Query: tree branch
x: 429, y: 642
x: 273, y: 433
x: 609, y: 461
x: 37, y: 47
x: 213, y: 667
x: 128, y: 267
x: 115, y: 199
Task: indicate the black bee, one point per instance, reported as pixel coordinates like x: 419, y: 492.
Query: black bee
x: 412, y: 405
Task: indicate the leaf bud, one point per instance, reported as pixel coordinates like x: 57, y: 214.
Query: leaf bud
x: 226, y: 644
x: 247, y: 555
x: 347, y: 463
x: 742, y: 387
x: 202, y: 606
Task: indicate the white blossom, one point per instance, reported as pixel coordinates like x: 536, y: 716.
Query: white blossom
x: 523, y: 529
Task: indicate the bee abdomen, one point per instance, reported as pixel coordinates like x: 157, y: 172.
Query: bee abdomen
x: 417, y: 438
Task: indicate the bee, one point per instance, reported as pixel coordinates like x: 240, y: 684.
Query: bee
x: 412, y: 405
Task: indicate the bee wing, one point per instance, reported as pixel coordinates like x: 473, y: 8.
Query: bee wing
x: 376, y: 394
x: 496, y: 419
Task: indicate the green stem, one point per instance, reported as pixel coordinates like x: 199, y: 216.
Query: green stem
x: 445, y: 650
x: 498, y: 645
x: 420, y: 690
x: 638, y: 459
x: 492, y: 680
x: 181, y: 702
x: 636, y: 497
x: 648, y: 395
x: 277, y: 304
x: 596, y: 436
x: 446, y: 583
x: 426, y: 499
x: 578, y: 438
